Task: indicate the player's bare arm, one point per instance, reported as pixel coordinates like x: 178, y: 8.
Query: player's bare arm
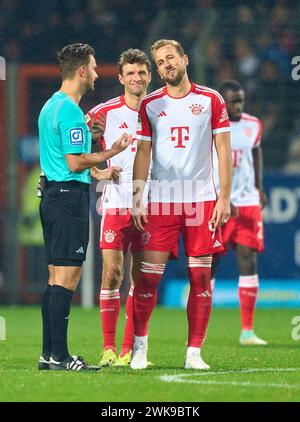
x: 111, y: 173
x: 79, y: 162
x: 258, y: 171
x: 140, y: 175
x: 221, y: 212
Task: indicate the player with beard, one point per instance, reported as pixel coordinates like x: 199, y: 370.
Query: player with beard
x: 179, y: 124
x: 66, y: 159
x: 245, y: 228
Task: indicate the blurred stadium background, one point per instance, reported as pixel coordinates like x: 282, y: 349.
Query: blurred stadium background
x: 251, y: 41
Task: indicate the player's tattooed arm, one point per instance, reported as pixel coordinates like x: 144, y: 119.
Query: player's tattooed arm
x: 97, y: 126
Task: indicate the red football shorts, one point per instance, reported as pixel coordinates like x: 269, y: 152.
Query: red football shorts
x: 118, y: 231
x: 246, y: 229
x: 167, y: 221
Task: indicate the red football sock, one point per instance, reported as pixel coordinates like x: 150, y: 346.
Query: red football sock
x: 200, y: 299
x: 129, y: 325
x: 109, y: 311
x: 144, y: 295
x: 248, y: 290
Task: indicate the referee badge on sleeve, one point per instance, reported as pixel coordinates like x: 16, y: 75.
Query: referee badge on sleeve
x: 76, y: 136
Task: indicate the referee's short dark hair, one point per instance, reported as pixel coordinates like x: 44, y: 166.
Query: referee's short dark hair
x: 72, y: 56
x: 230, y: 85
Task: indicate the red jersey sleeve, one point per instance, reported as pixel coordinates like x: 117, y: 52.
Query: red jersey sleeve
x: 88, y: 119
x: 144, y: 130
x: 219, y: 118
x: 99, y: 114
x: 259, y: 134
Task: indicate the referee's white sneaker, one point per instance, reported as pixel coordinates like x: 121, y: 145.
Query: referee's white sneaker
x: 139, y: 353
x: 194, y: 360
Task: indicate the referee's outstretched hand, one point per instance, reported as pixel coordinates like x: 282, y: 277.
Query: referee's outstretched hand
x: 111, y: 173
x: 122, y: 143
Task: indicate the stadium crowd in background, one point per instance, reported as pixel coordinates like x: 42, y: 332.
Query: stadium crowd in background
x: 254, y: 44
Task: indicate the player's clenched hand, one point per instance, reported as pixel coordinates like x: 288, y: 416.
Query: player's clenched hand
x: 262, y: 199
x: 221, y: 213
x: 111, y: 173
x: 122, y: 143
x: 97, y: 126
x: 140, y: 216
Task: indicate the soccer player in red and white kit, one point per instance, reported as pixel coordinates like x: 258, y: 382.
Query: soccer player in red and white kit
x: 179, y: 123
x: 117, y: 229
x: 245, y: 228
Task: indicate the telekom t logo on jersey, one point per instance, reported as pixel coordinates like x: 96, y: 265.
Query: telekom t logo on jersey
x: 237, y: 156
x: 180, y: 134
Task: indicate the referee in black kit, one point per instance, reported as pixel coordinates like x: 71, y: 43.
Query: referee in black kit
x: 66, y: 159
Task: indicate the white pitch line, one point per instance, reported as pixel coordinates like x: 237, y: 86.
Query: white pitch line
x: 234, y: 383
x: 180, y: 378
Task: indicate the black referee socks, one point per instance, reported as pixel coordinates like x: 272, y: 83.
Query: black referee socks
x: 59, y: 310
x: 46, y: 323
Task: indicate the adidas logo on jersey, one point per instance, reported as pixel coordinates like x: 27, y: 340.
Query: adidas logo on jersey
x: 216, y: 244
x: 123, y: 126
x: 162, y: 114
x: 80, y: 250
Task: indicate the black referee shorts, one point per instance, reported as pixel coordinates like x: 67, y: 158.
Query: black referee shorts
x: 64, y: 212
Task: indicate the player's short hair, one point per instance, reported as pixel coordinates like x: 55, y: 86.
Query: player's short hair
x: 163, y: 42
x: 132, y: 56
x: 230, y: 85
x: 72, y: 56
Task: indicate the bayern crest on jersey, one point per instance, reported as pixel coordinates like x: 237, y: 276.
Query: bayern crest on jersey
x: 196, y: 109
x: 248, y: 131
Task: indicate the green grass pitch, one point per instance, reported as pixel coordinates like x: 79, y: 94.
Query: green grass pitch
x: 237, y: 373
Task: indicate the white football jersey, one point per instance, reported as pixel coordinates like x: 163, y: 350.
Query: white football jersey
x: 181, y: 131
x: 119, y: 118
x: 245, y: 135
